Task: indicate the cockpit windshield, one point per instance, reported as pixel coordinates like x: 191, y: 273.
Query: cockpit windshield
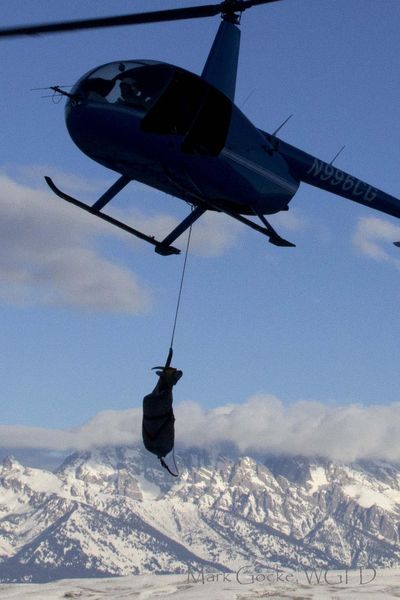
x: 131, y: 84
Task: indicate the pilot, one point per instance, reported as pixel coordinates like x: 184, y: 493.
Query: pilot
x: 131, y: 94
x: 158, y: 429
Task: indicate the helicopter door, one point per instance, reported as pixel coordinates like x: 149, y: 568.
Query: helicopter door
x: 193, y: 109
x: 209, y: 130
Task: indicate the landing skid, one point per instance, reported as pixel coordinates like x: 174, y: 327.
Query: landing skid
x: 162, y: 247
x: 268, y: 230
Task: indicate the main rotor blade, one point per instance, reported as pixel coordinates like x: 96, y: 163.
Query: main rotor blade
x: 228, y: 7
x: 250, y: 3
x: 158, y: 16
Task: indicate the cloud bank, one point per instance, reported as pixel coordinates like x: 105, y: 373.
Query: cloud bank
x: 51, y: 253
x: 263, y: 424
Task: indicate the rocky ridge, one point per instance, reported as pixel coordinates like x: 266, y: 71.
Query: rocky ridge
x: 112, y: 511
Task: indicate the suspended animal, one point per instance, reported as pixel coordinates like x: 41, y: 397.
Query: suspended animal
x: 182, y: 133
x: 158, y: 423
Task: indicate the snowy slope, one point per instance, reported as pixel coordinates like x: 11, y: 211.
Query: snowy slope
x: 113, y: 512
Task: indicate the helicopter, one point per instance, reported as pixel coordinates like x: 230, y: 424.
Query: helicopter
x: 181, y: 133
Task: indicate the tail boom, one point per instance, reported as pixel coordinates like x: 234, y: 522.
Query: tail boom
x: 318, y: 173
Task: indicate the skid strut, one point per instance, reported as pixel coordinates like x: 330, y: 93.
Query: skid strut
x: 268, y: 230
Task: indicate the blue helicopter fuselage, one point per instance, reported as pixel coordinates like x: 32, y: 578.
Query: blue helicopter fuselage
x: 182, y: 134
x: 170, y: 129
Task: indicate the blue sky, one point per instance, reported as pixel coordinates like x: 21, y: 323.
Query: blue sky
x: 87, y: 312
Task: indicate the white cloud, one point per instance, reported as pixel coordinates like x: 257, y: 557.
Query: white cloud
x: 105, y: 428
x: 265, y: 424
x: 290, y: 220
x: 214, y: 233
x: 32, y: 176
x: 374, y: 237
x: 262, y: 424
x: 48, y: 255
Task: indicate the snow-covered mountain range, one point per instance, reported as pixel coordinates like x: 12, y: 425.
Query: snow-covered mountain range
x: 113, y: 511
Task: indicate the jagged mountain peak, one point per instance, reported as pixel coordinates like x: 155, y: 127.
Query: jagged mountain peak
x: 10, y: 463
x: 117, y: 512
x: 112, y: 457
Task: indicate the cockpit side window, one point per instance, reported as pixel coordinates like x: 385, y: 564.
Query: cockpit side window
x: 97, y: 85
x: 136, y: 85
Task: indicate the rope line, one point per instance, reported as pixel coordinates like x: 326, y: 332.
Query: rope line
x: 180, y: 288
x: 178, y: 303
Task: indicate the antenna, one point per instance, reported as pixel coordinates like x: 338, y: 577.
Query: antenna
x: 284, y: 123
x: 337, y: 154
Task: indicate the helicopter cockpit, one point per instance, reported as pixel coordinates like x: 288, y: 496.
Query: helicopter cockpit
x: 169, y: 100
x: 135, y: 84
